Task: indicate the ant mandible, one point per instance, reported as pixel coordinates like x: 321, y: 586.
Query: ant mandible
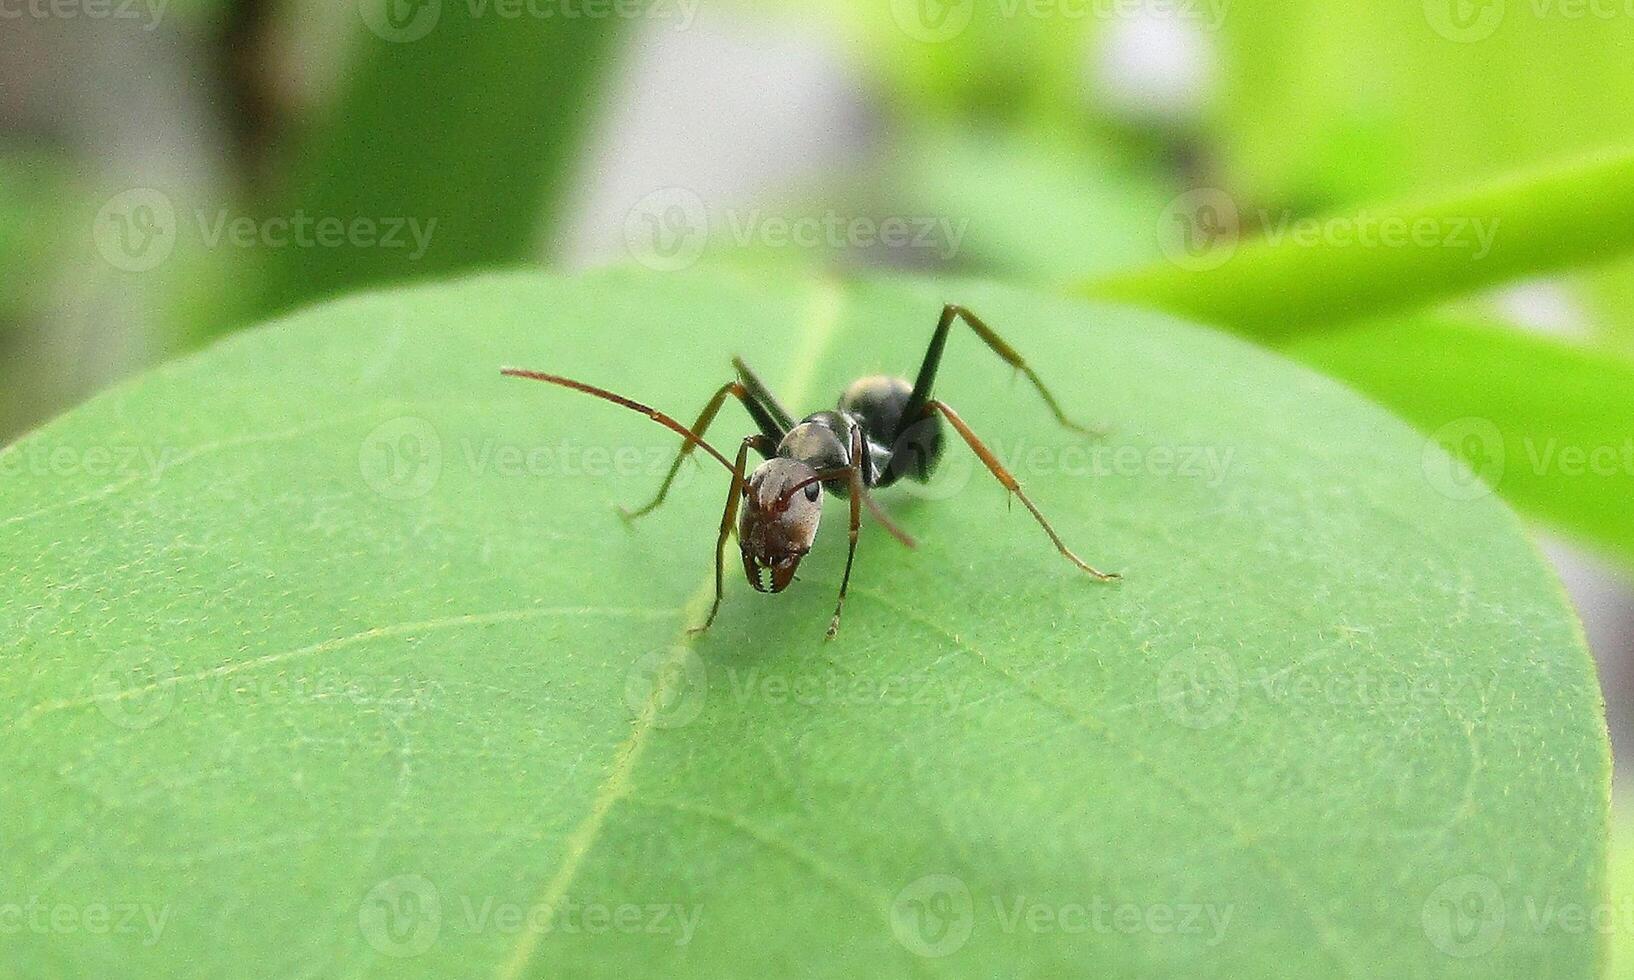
x: 883, y: 429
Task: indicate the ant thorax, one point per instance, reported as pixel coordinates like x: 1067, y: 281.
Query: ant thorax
x: 820, y: 440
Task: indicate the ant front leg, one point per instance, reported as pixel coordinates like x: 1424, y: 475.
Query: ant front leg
x: 738, y: 390
x: 729, y: 518
x: 854, y: 476
x: 926, y: 379
x: 1003, y: 476
x: 773, y: 419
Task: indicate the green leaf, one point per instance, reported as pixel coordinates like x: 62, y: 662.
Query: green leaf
x: 1306, y: 274
x: 1020, y: 207
x: 1343, y: 104
x: 458, y: 125
x: 1619, y: 926
x: 362, y: 672
x: 1340, y: 105
x: 1542, y: 422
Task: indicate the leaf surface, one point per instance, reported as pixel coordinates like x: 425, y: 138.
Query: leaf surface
x: 326, y: 649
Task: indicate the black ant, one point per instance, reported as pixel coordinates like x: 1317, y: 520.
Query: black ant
x: 883, y: 429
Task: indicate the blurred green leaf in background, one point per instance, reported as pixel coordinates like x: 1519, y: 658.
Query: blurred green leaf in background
x: 463, y: 117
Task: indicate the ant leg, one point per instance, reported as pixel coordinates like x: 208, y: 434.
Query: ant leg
x: 856, y: 494
x: 705, y: 419
x: 885, y: 522
x: 773, y: 419
x: 921, y: 396
x: 729, y: 517
x: 1010, y: 484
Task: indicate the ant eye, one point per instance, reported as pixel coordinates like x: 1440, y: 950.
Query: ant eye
x: 811, y: 493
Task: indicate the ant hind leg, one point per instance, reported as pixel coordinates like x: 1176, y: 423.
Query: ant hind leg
x: 926, y: 379
x: 1009, y: 481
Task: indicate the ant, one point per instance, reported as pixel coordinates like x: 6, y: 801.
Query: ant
x: 883, y: 429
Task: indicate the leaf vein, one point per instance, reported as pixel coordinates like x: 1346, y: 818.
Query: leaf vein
x: 819, y: 326
x: 330, y: 646
x: 1328, y: 935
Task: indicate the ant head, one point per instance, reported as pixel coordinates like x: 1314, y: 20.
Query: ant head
x: 783, y: 501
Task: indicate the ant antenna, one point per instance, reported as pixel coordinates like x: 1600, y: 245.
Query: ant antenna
x: 691, y: 437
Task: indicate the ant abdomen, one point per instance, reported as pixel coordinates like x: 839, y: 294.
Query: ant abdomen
x: 879, y: 401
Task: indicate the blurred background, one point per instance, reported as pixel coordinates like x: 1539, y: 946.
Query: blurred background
x: 173, y: 170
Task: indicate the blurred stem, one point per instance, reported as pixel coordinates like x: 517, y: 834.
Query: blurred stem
x: 468, y: 135
x: 1301, y: 276
x: 241, y: 67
